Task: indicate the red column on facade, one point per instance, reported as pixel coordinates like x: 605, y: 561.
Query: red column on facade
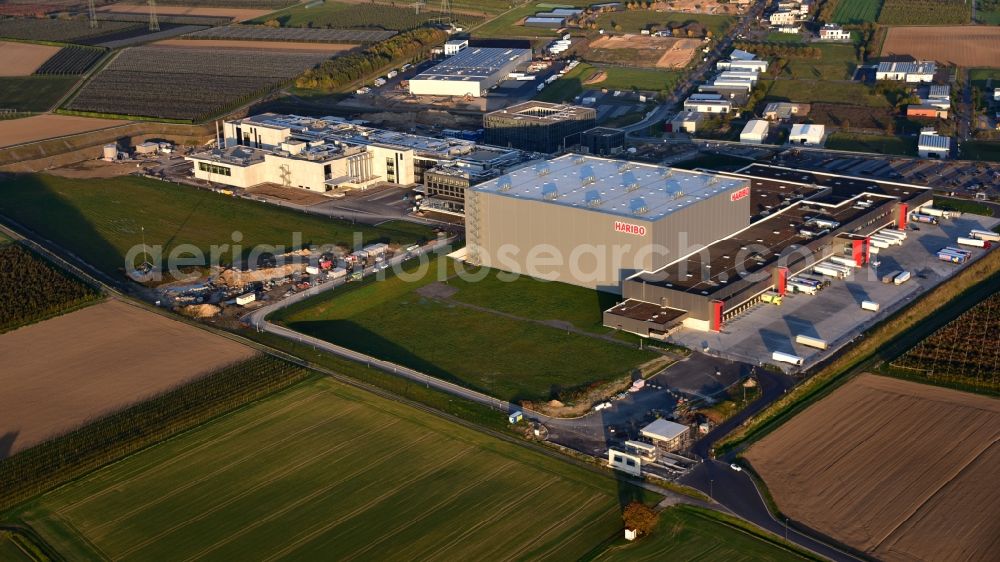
x: 858, y: 251
x: 781, y: 280
x: 903, y: 209
x: 717, y: 306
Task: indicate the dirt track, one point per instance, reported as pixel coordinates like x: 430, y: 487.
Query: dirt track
x: 259, y: 45
x: 41, y: 127
x: 22, y: 59
x: 60, y: 373
x: 960, y: 45
x: 900, y: 470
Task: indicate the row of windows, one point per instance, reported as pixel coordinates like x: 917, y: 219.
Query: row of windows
x: 213, y: 169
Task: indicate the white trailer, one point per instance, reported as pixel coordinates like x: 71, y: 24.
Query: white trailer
x: 984, y: 235
x: 880, y: 244
x: 928, y: 210
x: 870, y: 305
x: 811, y: 341
x: 844, y: 261
x: 786, y: 358
x: 958, y: 250
x: 246, y: 299
x: 887, y: 239
x: 337, y: 273
x: 829, y: 271
x: 901, y: 278
x: 897, y: 234
x: 802, y: 288
x: 975, y: 242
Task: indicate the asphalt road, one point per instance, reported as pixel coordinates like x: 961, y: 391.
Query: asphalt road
x: 699, y: 73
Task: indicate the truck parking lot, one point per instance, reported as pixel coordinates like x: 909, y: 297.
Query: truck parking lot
x: 834, y: 315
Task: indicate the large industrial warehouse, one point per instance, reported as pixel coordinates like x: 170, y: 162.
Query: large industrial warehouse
x: 470, y: 72
x: 683, y: 248
x: 798, y: 219
x: 594, y: 221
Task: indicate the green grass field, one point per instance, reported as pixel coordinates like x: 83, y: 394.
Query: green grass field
x: 9, y: 551
x: 988, y: 12
x: 856, y: 11
x: 981, y: 150
x: 33, y: 93
x: 510, y: 358
x: 807, y: 91
x: 636, y: 21
x: 100, y: 220
x: 616, y: 78
x: 326, y: 470
x: 985, y: 79
x: 880, y: 144
x: 506, y: 25
x: 690, y: 533
x: 837, y: 63
x: 778, y: 37
x: 393, y: 16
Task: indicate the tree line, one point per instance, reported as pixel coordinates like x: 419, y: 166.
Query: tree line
x: 338, y: 72
x: 779, y: 50
x: 31, y: 289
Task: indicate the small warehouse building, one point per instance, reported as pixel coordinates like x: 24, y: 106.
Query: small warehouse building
x: 538, y: 126
x: 470, y: 72
x: 686, y: 122
x: 592, y: 221
x: 755, y: 132
x: 708, y: 106
x: 807, y: 134
x: 926, y: 111
x: 932, y: 145
x: 901, y: 71
x: 666, y: 435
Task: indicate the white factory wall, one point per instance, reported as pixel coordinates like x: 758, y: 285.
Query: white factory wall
x: 473, y: 88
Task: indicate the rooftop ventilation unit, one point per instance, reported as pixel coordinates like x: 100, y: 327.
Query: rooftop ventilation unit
x: 542, y: 169
x: 629, y: 181
x: 579, y: 160
x: 638, y: 206
x: 667, y: 172
x: 678, y: 195
x: 624, y: 167
x: 550, y: 191
x: 504, y: 184
x: 587, y: 176
x: 593, y: 198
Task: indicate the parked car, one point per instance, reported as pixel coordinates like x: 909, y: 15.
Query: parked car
x: 736, y: 467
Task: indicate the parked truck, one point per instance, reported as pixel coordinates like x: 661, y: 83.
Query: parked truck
x: 892, y: 233
x: 771, y: 297
x: 879, y: 243
x: 844, y: 261
x: 888, y: 279
x: 984, y: 235
x: 975, y: 242
x: 936, y: 212
x: 829, y: 270
x: 870, y: 305
x: 786, y: 358
x: 901, y: 278
x: 920, y: 217
x: 811, y: 341
x: 952, y: 257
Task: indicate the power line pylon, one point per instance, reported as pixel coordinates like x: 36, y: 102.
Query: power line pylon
x: 154, y: 24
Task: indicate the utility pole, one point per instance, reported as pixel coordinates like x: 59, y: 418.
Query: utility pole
x: 154, y: 24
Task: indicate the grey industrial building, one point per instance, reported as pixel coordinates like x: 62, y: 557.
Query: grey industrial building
x: 538, y: 126
x: 603, y: 141
x: 603, y: 219
x: 470, y: 72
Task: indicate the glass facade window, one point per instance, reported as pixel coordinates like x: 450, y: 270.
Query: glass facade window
x: 213, y: 169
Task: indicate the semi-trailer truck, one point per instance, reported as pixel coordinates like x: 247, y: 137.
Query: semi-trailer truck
x: 952, y: 258
x: 786, y: 358
x: 936, y: 212
x: 919, y: 217
x: 957, y: 250
x: 870, y: 305
x: 976, y: 242
x: 800, y: 287
x: 902, y: 278
x: 888, y: 279
x: 897, y: 234
x: 771, y: 297
x: 829, y: 270
x: 880, y: 244
x: 984, y: 235
x: 844, y: 261
x: 811, y: 341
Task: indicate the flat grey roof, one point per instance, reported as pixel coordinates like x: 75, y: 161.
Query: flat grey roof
x: 473, y: 63
x: 616, y: 187
x: 934, y: 141
x: 664, y: 430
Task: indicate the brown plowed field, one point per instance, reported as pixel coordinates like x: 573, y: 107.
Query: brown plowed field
x: 23, y: 59
x: 897, y: 469
x: 960, y: 45
x: 41, y: 127
x: 644, y: 50
x: 60, y: 373
x: 238, y: 14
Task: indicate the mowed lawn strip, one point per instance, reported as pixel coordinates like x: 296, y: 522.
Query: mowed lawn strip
x: 325, y: 468
x: 690, y: 533
x: 101, y: 220
x: 505, y: 357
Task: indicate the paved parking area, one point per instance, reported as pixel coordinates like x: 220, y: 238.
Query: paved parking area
x: 835, y: 314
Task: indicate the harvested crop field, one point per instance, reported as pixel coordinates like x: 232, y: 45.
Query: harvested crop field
x: 238, y: 14
x: 897, y: 469
x: 119, y: 354
x: 643, y: 50
x: 41, y: 127
x: 952, y: 45
x: 259, y: 45
x: 22, y: 59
